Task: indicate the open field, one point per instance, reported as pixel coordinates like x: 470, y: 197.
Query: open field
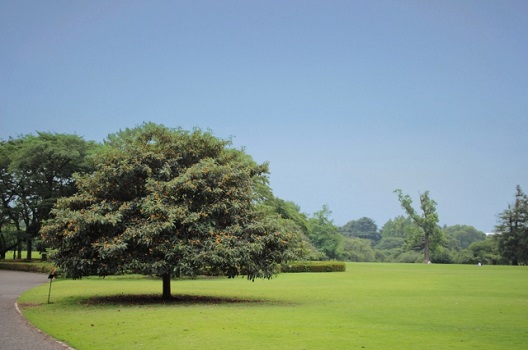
x: 370, y: 306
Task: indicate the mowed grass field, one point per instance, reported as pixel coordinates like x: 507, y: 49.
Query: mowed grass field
x: 370, y: 306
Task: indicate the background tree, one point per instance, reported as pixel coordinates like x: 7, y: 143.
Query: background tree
x: 431, y: 236
x: 291, y: 212
x: 168, y: 202
x: 35, y: 170
x: 324, y: 235
x: 8, y: 236
x: 398, y: 236
x: 389, y: 243
x: 397, y: 227
x: 9, y: 215
x: 512, y: 230
x: 358, y: 249
x: 461, y: 236
x: 485, y: 251
x: 364, y: 228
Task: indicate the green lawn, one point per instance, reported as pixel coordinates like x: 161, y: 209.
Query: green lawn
x: 34, y: 255
x: 371, y: 306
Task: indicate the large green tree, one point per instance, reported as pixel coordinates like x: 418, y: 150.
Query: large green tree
x: 168, y: 202
x: 512, y: 230
x: 35, y: 170
x: 427, y: 220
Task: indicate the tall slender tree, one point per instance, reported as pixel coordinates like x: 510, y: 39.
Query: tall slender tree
x: 512, y: 230
x: 427, y: 220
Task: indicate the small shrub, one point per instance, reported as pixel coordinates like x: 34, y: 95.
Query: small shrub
x: 442, y: 257
x: 314, y: 266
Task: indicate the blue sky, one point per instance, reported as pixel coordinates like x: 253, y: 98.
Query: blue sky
x: 347, y: 100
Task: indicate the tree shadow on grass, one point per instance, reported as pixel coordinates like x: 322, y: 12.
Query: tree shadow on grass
x: 155, y: 299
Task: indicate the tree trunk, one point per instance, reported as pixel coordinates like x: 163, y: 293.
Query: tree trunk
x: 166, y: 286
x: 427, y: 259
x: 29, y: 248
x: 19, y: 249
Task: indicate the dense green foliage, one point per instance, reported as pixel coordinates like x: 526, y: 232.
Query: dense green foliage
x: 325, y: 235
x: 485, y: 251
x: 291, y: 214
x: 400, y: 241
x: 168, y: 202
x: 513, y: 230
x: 361, y: 228
x: 462, y: 236
x: 36, y: 170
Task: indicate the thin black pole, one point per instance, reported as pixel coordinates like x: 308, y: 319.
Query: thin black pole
x: 49, y: 292
x: 51, y: 276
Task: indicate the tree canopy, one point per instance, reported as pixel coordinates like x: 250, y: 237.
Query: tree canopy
x: 361, y: 228
x: 168, y: 202
x: 463, y: 235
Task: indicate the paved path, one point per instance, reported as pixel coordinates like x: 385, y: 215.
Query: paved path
x: 15, y: 331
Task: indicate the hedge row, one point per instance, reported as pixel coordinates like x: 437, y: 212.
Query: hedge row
x: 314, y: 266
x: 26, y: 266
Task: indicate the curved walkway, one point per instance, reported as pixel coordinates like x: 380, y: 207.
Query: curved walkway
x: 15, y: 332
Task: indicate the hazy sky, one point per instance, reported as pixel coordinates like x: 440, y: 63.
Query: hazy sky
x: 347, y: 100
